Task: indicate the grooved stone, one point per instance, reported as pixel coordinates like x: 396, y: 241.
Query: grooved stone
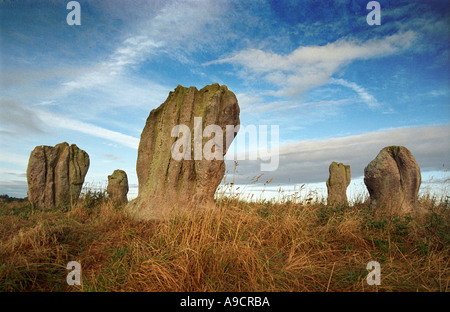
x: 393, y: 180
x: 55, y: 174
x: 167, y: 185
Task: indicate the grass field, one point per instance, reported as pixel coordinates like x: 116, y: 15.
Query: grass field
x: 297, y: 245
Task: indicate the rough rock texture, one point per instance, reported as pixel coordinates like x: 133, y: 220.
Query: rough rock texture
x: 337, y: 183
x: 393, y: 180
x: 166, y: 184
x: 117, y: 188
x: 56, y: 174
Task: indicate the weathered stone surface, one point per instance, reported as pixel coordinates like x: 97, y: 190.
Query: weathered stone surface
x: 165, y: 184
x: 393, y: 180
x: 56, y: 174
x: 117, y: 188
x: 337, y: 183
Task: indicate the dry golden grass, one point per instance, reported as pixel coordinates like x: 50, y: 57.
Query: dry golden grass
x: 296, y: 245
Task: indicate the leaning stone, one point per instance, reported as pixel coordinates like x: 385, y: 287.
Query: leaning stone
x: 393, y: 180
x: 166, y: 184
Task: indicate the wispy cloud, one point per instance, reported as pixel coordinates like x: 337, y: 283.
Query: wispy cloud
x: 17, y: 119
x: 173, y: 24
x: 363, y: 94
x: 131, y: 52
x: 60, y: 121
x: 309, y: 67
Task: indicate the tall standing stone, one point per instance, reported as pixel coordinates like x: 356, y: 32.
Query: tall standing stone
x: 337, y: 183
x: 55, y: 175
x: 167, y: 184
x: 393, y: 180
x: 117, y: 188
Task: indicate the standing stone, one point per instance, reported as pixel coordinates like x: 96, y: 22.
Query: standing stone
x: 167, y: 184
x: 337, y: 184
x: 393, y: 180
x: 56, y: 174
x: 117, y: 188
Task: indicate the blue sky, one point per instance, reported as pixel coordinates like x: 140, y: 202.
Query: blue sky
x: 339, y: 89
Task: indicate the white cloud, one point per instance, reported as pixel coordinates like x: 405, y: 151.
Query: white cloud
x: 308, y: 161
x: 311, y: 66
x: 60, y: 121
x: 131, y: 52
x: 364, y: 95
x: 171, y: 28
x: 111, y: 81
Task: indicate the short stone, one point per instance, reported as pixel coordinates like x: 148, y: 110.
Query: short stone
x: 337, y: 183
x: 117, y: 188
